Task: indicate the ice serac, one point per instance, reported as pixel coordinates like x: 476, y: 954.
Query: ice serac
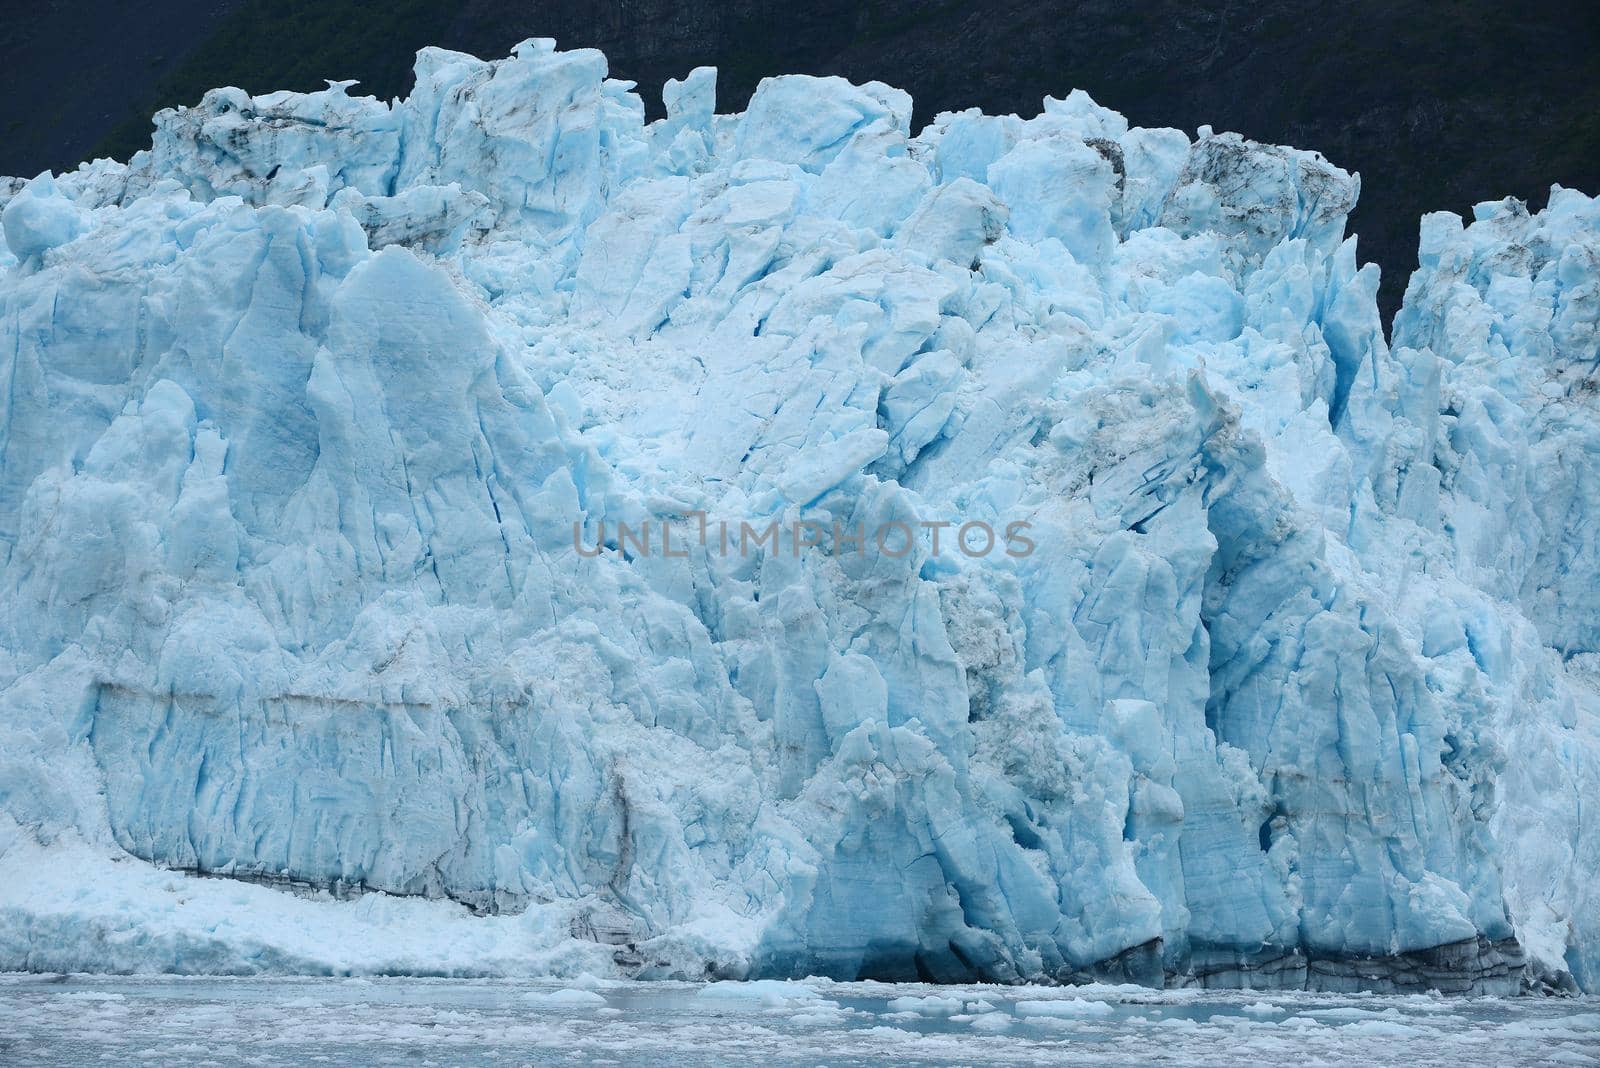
x: 386, y: 511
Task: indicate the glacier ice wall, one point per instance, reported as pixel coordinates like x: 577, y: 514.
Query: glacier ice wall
x: 314, y: 415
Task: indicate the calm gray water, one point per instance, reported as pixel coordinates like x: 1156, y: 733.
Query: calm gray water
x: 91, y: 1020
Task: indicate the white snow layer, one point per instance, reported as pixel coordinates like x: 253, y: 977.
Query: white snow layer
x: 312, y: 416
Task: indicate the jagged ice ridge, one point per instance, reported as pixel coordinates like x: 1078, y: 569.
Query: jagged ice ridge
x: 306, y: 413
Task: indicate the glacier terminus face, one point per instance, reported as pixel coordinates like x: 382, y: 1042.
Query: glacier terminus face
x: 321, y: 648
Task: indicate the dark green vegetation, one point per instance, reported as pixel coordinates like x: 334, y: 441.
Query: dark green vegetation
x: 1439, y: 104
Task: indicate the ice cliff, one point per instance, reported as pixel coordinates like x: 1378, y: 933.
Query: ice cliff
x: 320, y: 421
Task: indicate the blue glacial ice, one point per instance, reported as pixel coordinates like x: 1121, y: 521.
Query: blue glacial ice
x: 313, y: 416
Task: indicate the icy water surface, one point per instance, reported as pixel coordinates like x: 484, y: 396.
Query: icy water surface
x: 83, y: 1020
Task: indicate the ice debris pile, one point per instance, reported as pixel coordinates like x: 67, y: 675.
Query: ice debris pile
x: 320, y: 421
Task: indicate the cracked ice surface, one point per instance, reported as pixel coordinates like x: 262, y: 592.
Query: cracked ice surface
x: 299, y: 409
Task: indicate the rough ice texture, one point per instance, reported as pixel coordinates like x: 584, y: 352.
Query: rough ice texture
x: 298, y: 411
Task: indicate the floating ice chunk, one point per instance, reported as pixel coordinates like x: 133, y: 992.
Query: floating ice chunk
x: 769, y: 993
x: 1070, y: 1008
x: 929, y: 1005
x: 588, y: 981
x: 570, y: 998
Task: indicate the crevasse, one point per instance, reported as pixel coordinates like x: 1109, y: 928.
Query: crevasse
x: 306, y: 412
